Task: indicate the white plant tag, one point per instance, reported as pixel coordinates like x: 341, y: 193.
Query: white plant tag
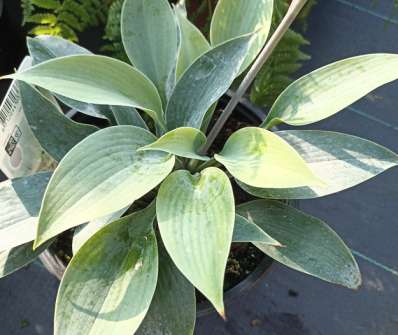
x: 20, y: 152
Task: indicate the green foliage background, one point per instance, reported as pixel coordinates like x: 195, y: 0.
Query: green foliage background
x: 64, y: 18
x: 287, y: 58
x: 67, y: 18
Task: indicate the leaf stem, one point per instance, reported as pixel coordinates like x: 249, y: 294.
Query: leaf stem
x: 192, y: 164
x: 291, y: 14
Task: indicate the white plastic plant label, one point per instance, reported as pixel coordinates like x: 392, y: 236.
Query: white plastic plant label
x: 20, y: 152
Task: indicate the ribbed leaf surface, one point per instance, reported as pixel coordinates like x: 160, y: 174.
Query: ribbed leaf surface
x: 239, y: 17
x: 196, y: 217
x: 308, y: 244
x: 102, y: 174
x: 341, y: 160
x: 330, y: 89
x: 184, y: 142
x: 260, y: 158
x: 108, y: 286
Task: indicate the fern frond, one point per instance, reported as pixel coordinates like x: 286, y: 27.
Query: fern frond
x: 46, y: 4
x: 70, y: 20
x: 78, y: 10
x: 114, y: 45
x: 27, y: 10
x: 286, y: 59
x: 67, y: 32
x: 71, y: 16
x: 112, y: 28
x: 42, y: 19
x: 45, y: 30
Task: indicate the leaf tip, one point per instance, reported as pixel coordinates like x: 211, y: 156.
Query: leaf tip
x: 358, y: 282
x: 40, y: 238
x: 36, y: 244
x: 221, y: 312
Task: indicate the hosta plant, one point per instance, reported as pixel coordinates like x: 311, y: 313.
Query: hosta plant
x: 153, y: 212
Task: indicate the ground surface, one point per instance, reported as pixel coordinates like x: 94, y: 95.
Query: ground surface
x: 289, y: 303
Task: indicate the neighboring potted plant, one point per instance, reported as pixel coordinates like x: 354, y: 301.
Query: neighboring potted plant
x: 159, y: 204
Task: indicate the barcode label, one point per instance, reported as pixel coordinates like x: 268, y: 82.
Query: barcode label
x: 10, y: 105
x: 20, y: 152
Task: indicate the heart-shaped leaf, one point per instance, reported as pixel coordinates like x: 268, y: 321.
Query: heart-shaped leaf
x: 56, y: 133
x: 128, y: 116
x: 45, y: 47
x: 246, y: 231
x: 330, y: 89
x: 16, y: 258
x: 20, y: 201
x: 341, y: 160
x: 193, y: 43
x: 102, y: 174
x: 196, y: 217
x: 184, y: 142
x: 108, y: 286
x: 173, y: 307
x: 204, y: 82
x: 309, y: 245
x: 95, y: 79
x: 84, y: 232
x: 239, y: 17
x: 150, y: 38
x: 260, y: 158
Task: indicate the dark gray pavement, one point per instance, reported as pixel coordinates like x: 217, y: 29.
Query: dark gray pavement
x: 366, y: 217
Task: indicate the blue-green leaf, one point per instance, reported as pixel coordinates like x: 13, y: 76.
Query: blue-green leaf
x: 96, y: 79
x: 193, y: 43
x: 308, y: 244
x: 20, y: 201
x: 341, y: 160
x: 84, y: 232
x: 56, y: 133
x: 128, y: 116
x: 108, y: 286
x: 150, y: 38
x: 183, y: 142
x: 260, y: 158
x: 45, y: 47
x: 239, y: 17
x: 331, y: 88
x: 196, y: 216
x: 204, y: 82
x: 102, y: 174
x: 247, y: 231
x: 173, y: 307
x: 13, y: 259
